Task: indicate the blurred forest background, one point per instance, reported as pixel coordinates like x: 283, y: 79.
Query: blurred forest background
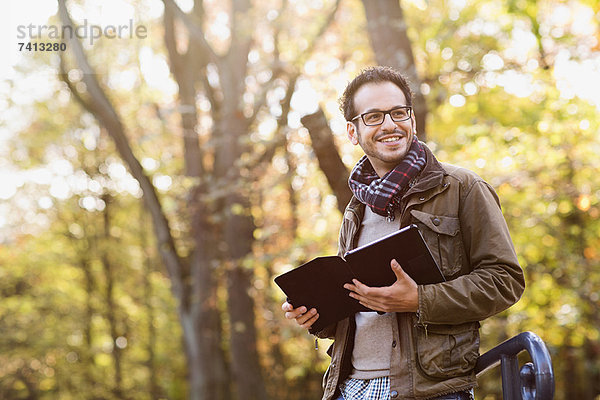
x: 153, y: 187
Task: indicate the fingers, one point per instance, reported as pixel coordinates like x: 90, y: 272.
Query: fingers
x: 360, y: 292
x: 374, y: 298
x: 369, y: 302
x: 295, y: 312
x: 400, y: 274
x: 357, y: 287
x: 401, y: 296
x: 306, y: 320
x: 360, y: 287
x: 378, y: 301
x: 303, y: 317
x: 398, y: 271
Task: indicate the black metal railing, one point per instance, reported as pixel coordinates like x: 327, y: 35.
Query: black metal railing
x: 534, y: 381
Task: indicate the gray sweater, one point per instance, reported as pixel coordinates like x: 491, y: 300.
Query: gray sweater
x: 374, y: 332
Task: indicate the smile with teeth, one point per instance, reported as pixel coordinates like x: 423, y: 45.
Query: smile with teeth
x: 390, y: 139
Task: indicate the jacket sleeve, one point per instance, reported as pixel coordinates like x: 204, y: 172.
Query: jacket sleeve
x: 496, y: 280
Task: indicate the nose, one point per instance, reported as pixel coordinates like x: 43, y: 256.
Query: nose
x: 388, y: 123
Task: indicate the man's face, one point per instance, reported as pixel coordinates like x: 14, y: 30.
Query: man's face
x: 385, y: 145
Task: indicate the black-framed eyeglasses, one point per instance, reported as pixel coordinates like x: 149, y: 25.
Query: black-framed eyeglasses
x: 374, y: 118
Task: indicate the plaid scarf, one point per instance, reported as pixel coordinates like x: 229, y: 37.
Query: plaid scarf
x: 383, y: 194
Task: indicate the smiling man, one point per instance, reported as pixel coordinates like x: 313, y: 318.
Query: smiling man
x: 424, y: 342
x: 385, y: 141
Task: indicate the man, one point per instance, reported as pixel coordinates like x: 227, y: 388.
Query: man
x: 424, y: 342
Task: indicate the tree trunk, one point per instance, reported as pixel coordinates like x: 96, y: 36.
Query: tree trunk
x: 230, y: 128
x: 238, y: 231
x: 193, y: 282
x: 209, y: 376
x: 392, y: 47
x: 238, y: 237
x: 87, y: 357
x: 154, y: 389
x: 328, y: 156
x: 111, y: 310
x: 591, y: 350
x: 200, y: 319
x: 245, y: 365
x: 197, y: 310
x: 570, y: 370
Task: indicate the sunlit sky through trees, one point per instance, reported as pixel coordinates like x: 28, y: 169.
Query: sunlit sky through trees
x: 574, y: 77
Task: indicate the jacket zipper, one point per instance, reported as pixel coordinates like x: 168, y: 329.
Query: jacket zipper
x: 419, y: 323
x: 357, y: 225
x: 440, y: 250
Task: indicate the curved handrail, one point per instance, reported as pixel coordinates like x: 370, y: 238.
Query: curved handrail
x: 535, y: 380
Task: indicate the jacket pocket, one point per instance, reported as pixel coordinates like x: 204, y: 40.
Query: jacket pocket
x: 446, y: 351
x: 442, y: 234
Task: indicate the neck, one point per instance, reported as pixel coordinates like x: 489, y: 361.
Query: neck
x: 383, y: 168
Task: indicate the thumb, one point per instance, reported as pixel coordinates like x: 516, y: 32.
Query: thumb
x: 398, y: 271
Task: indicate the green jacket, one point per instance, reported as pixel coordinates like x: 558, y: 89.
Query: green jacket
x: 435, y: 349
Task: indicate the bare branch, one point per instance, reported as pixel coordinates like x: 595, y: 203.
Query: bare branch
x: 211, y: 95
x: 262, y: 98
x: 389, y: 39
x: 241, y: 28
x: 196, y: 33
x: 328, y: 156
x: 278, y: 27
x: 326, y: 23
x: 64, y: 76
x: 99, y: 105
x: 280, y: 137
x: 276, y: 65
x: 89, y: 75
x: 170, y: 42
x: 287, y: 100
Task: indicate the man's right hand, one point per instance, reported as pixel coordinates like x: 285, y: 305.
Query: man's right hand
x: 303, y: 318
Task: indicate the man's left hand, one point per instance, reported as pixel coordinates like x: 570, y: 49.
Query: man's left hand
x: 402, y: 296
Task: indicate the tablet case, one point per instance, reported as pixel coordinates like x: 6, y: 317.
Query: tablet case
x: 319, y: 282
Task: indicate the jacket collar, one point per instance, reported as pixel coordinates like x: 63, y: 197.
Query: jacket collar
x: 430, y: 177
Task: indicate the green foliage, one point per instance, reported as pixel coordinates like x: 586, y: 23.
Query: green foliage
x: 541, y: 157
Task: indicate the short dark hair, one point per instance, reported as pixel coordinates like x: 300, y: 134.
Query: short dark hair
x: 376, y: 74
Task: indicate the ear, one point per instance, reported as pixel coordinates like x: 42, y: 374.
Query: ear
x: 413, y: 123
x: 352, y: 132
